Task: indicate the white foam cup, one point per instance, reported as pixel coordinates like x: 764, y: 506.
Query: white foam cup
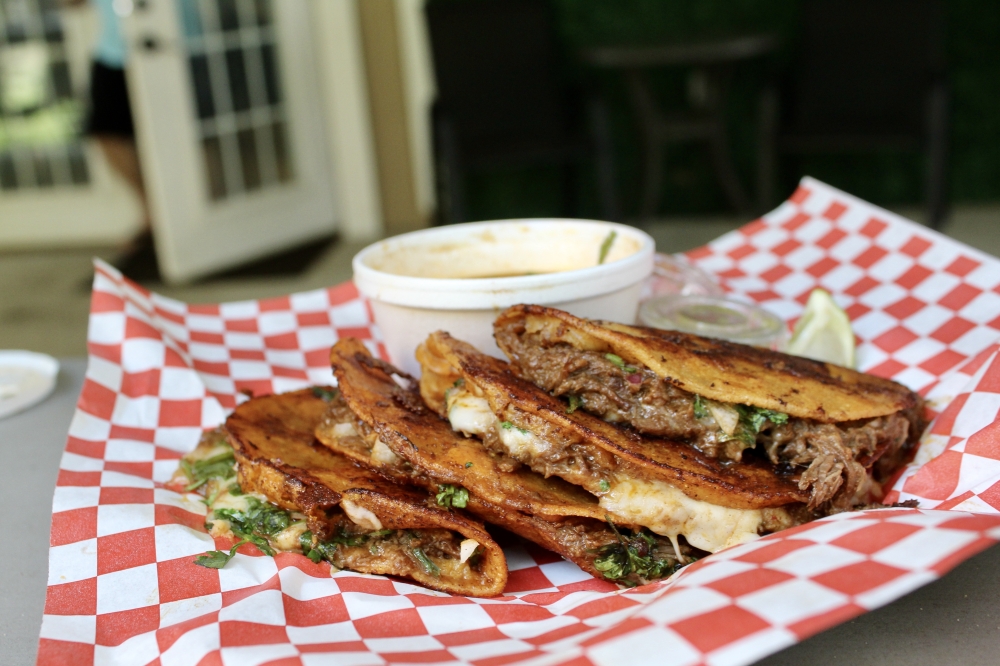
x: 459, y: 278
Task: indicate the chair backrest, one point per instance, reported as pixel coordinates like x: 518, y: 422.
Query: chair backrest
x: 497, y: 69
x: 864, y: 66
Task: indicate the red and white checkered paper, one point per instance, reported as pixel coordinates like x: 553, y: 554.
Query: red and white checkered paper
x: 123, y: 588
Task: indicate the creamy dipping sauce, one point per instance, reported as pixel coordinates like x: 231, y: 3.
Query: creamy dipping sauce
x: 514, y: 251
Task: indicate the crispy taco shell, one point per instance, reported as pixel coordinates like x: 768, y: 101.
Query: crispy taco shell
x: 723, y: 371
x: 277, y: 456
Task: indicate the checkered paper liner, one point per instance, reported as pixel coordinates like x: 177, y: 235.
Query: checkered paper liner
x: 123, y: 588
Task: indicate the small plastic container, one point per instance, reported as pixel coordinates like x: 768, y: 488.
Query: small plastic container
x: 714, y: 317
x: 672, y: 274
x: 458, y: 278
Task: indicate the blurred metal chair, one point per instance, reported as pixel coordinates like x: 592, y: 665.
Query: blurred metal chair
x: 712, y: 64
x: 867, y: 75
x: 502, y: 102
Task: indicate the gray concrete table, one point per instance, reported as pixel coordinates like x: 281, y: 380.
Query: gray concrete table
x: 955, y: 620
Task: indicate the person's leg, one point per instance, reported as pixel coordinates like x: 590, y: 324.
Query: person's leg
x: 123, y: 157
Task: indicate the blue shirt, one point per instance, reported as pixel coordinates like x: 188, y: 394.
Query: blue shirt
x: 110, y: 49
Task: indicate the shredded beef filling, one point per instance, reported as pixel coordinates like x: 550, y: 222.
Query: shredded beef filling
x: 831, y: 459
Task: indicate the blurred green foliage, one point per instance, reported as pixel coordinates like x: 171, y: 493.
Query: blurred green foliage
x: 689, y: 185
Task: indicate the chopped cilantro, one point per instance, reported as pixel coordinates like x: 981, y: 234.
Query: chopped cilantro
x: 325, y: 393
x: 757, y: 416
x: 459, y: 383
x: 216, y: 559
x: 752, y: 420
x: 262, y: 520
x: 507, y: 425
x: 620, y: 364
x: 604, y: 486
x: 700, y: 411
x: 310, y: 551
x: 468, y: 465
x: 325, y: 550
x: 606, y: 244
x: 200, y: 472
x: 574, y: 403
x: 425, y: 562
x: 452, y: 496
x: 632, y: 554
x: 257, y: 523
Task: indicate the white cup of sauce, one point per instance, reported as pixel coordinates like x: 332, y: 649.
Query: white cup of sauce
x: 458, y: 278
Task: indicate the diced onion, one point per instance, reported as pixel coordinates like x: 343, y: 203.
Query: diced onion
x: 466, y: 549
x: 725, y: 415
x: 344, y: 430
x: 383, y: 454
x: 361, y: 516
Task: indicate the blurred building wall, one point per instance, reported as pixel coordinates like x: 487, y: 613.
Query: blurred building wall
x: 400, y: 91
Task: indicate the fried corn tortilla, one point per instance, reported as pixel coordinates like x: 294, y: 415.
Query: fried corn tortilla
x: 374, y: 525
x: 662, y: 485
x: 826, y: 425
x: 383, y: 425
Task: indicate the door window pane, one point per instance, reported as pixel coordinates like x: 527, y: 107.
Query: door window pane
x: 202, y: 87
x: 213, y: 167
x: 236, y: 88
x: 40, y: 120
x: 248, y: 158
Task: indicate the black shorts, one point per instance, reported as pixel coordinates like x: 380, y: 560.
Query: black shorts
x: 110, y: 112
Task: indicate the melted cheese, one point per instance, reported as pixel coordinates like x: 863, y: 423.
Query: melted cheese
x: 522, y: 444
x: 472, y: 416
x: 468, y: 414
x: 288, y: 538
x: 221, y: 529
x: 667, y: 511
x: 226, y: 500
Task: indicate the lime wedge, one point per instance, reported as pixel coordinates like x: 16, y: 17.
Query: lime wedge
x: 824, y: 332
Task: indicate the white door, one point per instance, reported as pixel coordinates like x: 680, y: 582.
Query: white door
x: 55, y: 187
x: 226, y: 99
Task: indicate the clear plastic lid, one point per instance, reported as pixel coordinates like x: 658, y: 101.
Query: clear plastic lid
x: 714, y: 317
x: 672, y: 274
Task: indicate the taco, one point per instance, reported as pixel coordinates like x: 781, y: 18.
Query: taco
x: 836, y: 431
x: 380, y: 420
x: 340, y: 511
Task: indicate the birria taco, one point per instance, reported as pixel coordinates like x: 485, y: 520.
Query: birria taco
x: 380, y: 420
x: 833, y: 429
x: 294, y: 495
x: 667, y: 484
